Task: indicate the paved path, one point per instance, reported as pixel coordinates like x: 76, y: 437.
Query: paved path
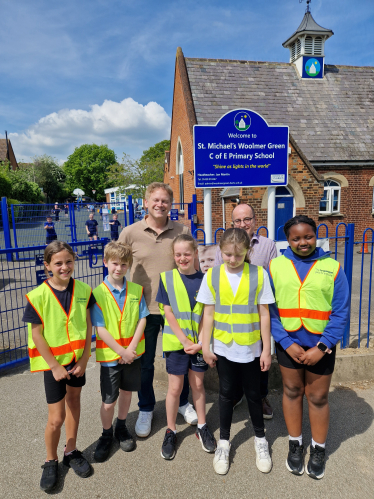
x: 144, y: 474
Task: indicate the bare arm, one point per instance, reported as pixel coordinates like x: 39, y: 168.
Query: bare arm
x: 207, y: 330
x: 58, y: 371
x: 265, y: 359
x: 170, y: 317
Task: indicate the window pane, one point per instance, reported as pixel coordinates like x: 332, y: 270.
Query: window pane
x: 324, y: 203
x: 335, y: 201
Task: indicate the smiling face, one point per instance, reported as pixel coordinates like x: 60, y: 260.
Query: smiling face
x: 233, y: 256
x: 207, y: 259
x: 158, y: 204
x: 302, y: 239
x: 184, y: 256
x: 243, y: 218
x: 61, y: 267
x: 116, y: 269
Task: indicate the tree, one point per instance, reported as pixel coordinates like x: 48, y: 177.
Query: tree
x: 133, y: 176
x: 87, y: 168
x: 49, y: 175
x: 20, y: 187
x: 5, y: 185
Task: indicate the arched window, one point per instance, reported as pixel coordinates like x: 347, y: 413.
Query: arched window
x: 180, y: 171
x: 330, y: 203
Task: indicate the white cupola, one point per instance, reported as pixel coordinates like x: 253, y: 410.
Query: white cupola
x: 307, y: 46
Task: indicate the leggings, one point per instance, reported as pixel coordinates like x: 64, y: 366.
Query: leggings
x: 233, y: 374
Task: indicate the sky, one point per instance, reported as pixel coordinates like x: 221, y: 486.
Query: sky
x: 102, y: 71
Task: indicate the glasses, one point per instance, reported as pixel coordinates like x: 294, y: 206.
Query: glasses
x: 246, y: 220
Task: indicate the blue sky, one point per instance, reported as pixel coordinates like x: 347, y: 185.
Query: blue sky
x: 101, y: 71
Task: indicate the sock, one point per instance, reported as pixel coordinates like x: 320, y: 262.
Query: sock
x: 120, y: 423
x: 68, y: 453
x: 299, y: 439
x: 200, y: 425
x: 108, y: 432
x: 52, y: 460
x: 261, y: 440
x: 319, y: 445
x: 174, y: 431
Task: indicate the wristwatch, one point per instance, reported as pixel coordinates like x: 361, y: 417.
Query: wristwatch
x: 321, y: 346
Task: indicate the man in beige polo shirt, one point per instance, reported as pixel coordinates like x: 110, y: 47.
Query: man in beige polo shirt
x: 151, y: 240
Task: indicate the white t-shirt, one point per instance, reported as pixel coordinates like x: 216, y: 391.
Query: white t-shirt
x: 232, y: 351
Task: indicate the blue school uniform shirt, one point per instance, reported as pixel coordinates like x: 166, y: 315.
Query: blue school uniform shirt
x: 334, y: 330
x: 114, y: 227
x: 92, y: 224
x: 50, y: 232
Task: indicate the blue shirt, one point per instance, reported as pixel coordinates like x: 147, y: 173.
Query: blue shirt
x: 50, y: 232
x: 97, y: 316
x: 91, y: 225
x: 334, y: 330
x: 114, y: 224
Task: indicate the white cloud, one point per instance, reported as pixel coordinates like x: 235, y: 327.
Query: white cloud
x: 125, y: 126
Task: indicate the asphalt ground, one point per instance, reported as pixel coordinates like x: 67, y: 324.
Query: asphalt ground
x: 144, y: 474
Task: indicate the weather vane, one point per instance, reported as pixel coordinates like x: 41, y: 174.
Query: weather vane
x: 307, y: 4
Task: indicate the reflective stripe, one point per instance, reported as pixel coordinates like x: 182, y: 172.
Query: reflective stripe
x: 222, y: 326
x: 244, y: 309
x: 304, y: 313
x: 253, y: 284
x: 246, y: 328
x: 62, y: 350
x: 124, y: 342
x: 183, y: 316
x: 171, y: 293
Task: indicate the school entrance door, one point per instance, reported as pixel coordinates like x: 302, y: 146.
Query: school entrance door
x: 283, y: 210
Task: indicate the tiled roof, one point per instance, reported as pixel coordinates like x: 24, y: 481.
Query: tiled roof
x: 331, y: 119
x: 3, y: 150
x: 308, y: 24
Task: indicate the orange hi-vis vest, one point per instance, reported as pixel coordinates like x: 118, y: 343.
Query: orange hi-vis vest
x: 304, y: 303
x: 121, y: 324
x: 64, y: 333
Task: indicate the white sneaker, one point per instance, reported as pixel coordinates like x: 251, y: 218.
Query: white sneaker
x: 189, y: 413
x: 144, y: 423
x: 263, y: 459
x: 221, y: 457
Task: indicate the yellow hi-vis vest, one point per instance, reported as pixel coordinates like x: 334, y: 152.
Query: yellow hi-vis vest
x: 121, y: 324
x: 236, y: 317
x: 304, y: 303
x: 187, y: 319
x: 64, y: 333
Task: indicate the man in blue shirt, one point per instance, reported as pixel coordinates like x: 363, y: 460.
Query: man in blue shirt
x: 91, y: 227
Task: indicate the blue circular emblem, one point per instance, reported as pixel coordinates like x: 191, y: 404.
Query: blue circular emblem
x: 312, y: 67
x: 242, y: 121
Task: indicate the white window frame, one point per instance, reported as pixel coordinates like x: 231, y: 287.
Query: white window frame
x: 180, y: 172
x: 372, y: 205
x: 330, y: 186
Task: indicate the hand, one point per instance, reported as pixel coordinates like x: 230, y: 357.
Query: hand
x: 192, y: 349
x: 128, y: 356
x: 187, y: 344
x: 311, y: 356
x: 59, y: 373
x: 80, y: 368
x: 295, y: 351
x: 210, y: 358
x: 265, y: 361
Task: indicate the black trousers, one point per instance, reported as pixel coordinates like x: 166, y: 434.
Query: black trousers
x: 231, y: 375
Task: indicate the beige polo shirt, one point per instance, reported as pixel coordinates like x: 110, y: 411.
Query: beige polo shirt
x: 152, y: 255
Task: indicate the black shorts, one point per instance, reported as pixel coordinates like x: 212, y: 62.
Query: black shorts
x: 49, y: 239
x: 323, y: 367
x: 122, y: 376
x: 114, y: 236
x: 179, y: 363
x: 56, y: 390
x: 92, y: 234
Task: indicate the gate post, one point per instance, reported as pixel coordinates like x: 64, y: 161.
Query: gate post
x: 131, y: 209
x: 193, y: 213
x: 348, y: 269
x: 72, y: 222
x: 6, y: 227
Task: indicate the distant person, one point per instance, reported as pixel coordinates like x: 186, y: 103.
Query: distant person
x: 101, y: 212
x: 113, y: 210
x: 91, y: 227
x: 206, y: 257
x: 49, y: 226
x: 61, y: 348
x: 118, y: 349
x: 66, y: 208
x: 114, y: 226
x: 56, y: 212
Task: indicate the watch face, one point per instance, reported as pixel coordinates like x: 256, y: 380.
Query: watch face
x: 322, y: 347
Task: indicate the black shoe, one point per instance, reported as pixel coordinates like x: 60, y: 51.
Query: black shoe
x: 168, y: 445
x: 316, y: 464
x: 103, y: 448
x: 126, y: 440
x: 78, y: 464
x: 208, y: 442
x: 49, y: 475
x: 295, y: 458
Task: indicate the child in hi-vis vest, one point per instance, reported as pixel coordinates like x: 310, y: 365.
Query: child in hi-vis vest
x: 236, y: 297
x: 60, y: 344
x: 309, y: 318
x: 119, y: 316
x: 180, y: 341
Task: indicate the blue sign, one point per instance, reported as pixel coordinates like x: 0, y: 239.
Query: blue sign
x: 240, y: 150
x: 174, y: 214
x: 40, y: 276
x: 312, y: 67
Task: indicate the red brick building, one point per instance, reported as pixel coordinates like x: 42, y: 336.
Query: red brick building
x: 331, y: 122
